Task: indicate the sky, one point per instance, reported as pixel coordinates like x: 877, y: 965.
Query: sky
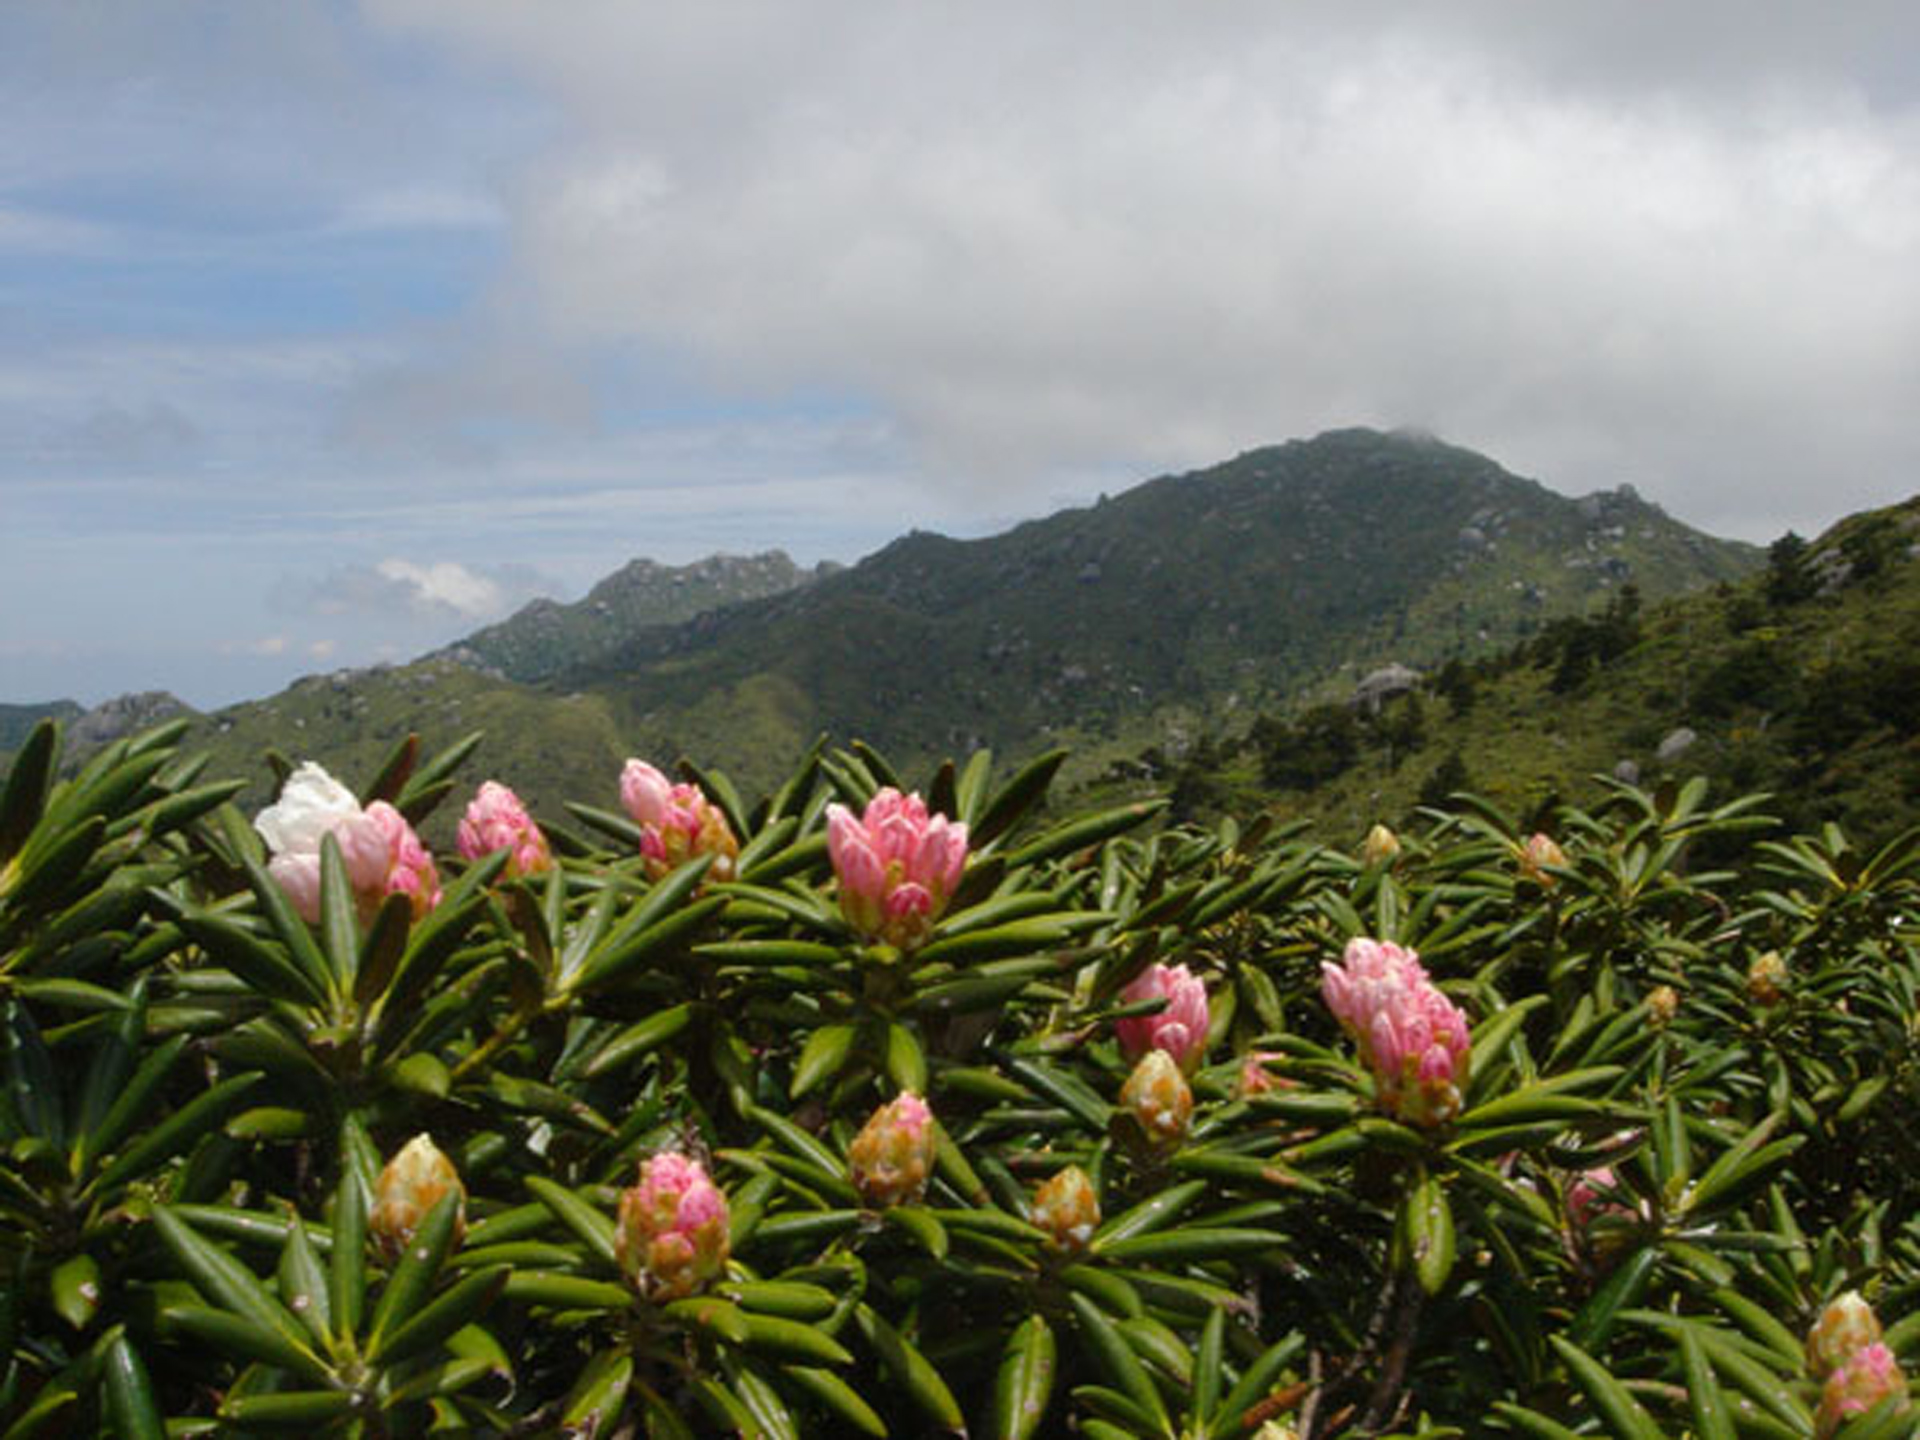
x: 331, y: 331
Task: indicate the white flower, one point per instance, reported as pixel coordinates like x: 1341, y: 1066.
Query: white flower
x: 311, y: 803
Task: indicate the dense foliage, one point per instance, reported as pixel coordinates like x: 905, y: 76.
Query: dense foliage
x: 827, y: 1115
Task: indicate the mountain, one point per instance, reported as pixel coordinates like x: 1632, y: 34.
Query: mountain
x: 1233, y: 586
x: 546, y: 638
x: 1802, y: 681
x: 1172, y: 608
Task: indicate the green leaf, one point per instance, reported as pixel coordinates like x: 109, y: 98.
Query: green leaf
x: 911, y: 1369
x: 839, y: 1397
x: 566, y: 1292
x: 641, y: 1038
x: 248, y: 1339
x: 1066, y: 1090
x: 1428, y: 1227
x: 792, y: 1340
x: 75, y: 1289
x: 129, y: 1393
x: 178, y: 1131
x: 289, y: 1409
x: 1623, y: 1415
x: 999, y: 815
x: 413, y: 1275
x: 461, y: 1305
x: 28, y: 782
x: 229, y: 1284
x: 921, y: 1226
x: 906, y: 1061
x: 1157, y: 1210
x: 592, y: 1408
x: 1025, y: 1383
x: 1117, y: 1361
x: 347, y: 1264
x: 1710, y: 1417
x: 1624, y: 1287
x: 653, y: 923
x: 1206, y: 1365
x: 711, y: 1315
x: 339, y: 921
x: 578, y: 1216
x: 821, y: 1058
x: 303, y: 1284
x: 1192, y: 1245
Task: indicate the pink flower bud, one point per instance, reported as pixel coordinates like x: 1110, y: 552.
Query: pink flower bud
x: 1180, y: 1028
x: 1845, y: 1326
x: 414, y: 1181
x: 671, y: 1237
x: 1067, y: 1208
x: 1255, y: 1078
x: 677, y: 823
x: 892, y: 1156
x: 1536, y: 855
x: 1411, y: 1037
x: 496, y: 820
x: 897, y: 866
x: 412, y: 873
x: 1157, y: 1096
x: 1859, y: 1383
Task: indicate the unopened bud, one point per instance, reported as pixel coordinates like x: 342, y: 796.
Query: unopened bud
x: 892, y: 1156
x: 1848, y: 1324
x: 1067, y: 1208
x: 1381, y: 847
x: 1767, y: 978
x: 1157, y: 1095
x: 671, y: 1237
x: 414, y: 1182
x: 1536, y: 855
x: 1663, y: 1003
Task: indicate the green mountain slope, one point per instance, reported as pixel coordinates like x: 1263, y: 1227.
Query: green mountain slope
x: 1236, y: 585
x: 1803, y: 680
x: 1163, y: 609
x: 546, y: 638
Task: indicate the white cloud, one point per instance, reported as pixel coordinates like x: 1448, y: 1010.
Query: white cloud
x: 405, y: 593
x: 1074, y: 235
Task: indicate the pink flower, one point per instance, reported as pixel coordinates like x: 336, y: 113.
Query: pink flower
x: 1413, y: 1039
x: 411, y: 872
x: 1180, y: 1029
x: 898, y: 867
x: 381, y: 854
x: 677, y: 823
x: 892, y: 1156
x: 1860, y: 1383
x: 672, y: 1236
x: 496, y: 820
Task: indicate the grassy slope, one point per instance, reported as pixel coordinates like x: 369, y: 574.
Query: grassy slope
x: 1817, y: 700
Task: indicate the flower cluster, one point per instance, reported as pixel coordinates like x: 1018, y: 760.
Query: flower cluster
x: 1411, y: 1037
x: 382, y: 855
x: 677, y: 822
x: 1180, y: 1028
x: 892, y: 1156
x: 496, y: 820
x: 672, y: 1236
x: 1845, y: 1350
x: 897, y: 866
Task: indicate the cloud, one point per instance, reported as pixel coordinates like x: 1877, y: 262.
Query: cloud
x: 404, y: 592
x: 1080, y: 236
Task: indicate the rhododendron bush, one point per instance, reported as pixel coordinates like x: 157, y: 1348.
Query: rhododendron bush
x: 927, y: 1105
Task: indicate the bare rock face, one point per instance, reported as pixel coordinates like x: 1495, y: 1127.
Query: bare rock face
x: 124, y: 715
x: 1382, y: 685
x: 1677, y: 743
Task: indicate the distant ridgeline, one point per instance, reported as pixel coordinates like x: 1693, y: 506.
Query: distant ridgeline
x: 1163, y: 619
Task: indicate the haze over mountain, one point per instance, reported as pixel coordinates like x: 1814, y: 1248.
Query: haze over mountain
x: 1284, y: 573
